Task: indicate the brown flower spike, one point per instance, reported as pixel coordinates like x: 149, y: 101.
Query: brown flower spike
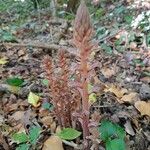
x: 63, y: 99
x: 82, y: 40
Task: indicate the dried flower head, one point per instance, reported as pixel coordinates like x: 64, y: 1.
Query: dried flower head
x: 82, y: 24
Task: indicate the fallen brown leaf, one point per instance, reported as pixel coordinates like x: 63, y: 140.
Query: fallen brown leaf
x: 47, y: 120
x: 119, y: 92
x: 131, y: 97
x: 53, y: 143
x: 143, y: 107
x: 17, y: 115
x: 108, y: 72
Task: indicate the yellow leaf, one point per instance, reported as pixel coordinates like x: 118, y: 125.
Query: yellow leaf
x: 92, y: 98
x: 53, y: 143
x: 143, y: 107
x: 13, y: 89
x: 131, y: 97
x: 33, y: 99
x: 3, y: 61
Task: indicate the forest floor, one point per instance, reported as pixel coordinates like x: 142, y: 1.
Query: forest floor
x: 123, y: 76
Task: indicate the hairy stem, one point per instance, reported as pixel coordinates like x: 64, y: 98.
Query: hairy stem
x: 85, y: 96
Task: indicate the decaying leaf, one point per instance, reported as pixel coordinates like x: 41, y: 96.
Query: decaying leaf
x: 143, y: 107
x: 53, y: 143
x: 131, y: 97
x: 17, y: 115
x: 13, y: 89
x: 47, y: 120
x: 108, y: 72
x: 119, y: 92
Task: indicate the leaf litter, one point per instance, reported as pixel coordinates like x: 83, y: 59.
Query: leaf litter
x: 123, y: 98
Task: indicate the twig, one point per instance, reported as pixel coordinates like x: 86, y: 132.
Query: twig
x: 3, y: 87
x: 72, y: 144
x: 41, y: 45
x: 3, y: 142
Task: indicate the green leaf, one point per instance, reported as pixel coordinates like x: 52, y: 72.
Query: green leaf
x: 69, y: 134
x: 15, y: 81
x: 8, y: 37
x: 47, y: 106
x: 107, y: 48
x: 3, y: 61
x: 92, y: 98
x: 20, y: 137
x: 45, y: 82
x: 23, y: 147
x: 34, y: 134
x: 128, y: 19
x: 110, y: 130
x: 33, y: 99
x: 116, y: 144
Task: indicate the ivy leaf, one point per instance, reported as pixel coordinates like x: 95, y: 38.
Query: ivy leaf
x: 33, y: 99
x: 116, y: 144
x: 20, y: 137
x: 69, y: 134
x: 3, y: 61
x: 23, y: 147
x: 15, y: 81
x: 34, y: 134
x: 109, y: 130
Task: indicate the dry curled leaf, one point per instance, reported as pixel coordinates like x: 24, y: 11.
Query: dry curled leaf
x: 53, y: 143
x: 143, y: 107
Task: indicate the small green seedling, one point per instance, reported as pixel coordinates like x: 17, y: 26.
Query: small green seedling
x: 26, y: 141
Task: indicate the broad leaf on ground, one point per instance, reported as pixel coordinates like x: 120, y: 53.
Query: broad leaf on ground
x: 110, y: 130
x: 53, y: 143
x: 23, y: 147
x: 14, y: 81
x: 116, y: 144
x: 69, y: 134
x: 143, y: 107
x: 20, y: 137
x: 34, y: 134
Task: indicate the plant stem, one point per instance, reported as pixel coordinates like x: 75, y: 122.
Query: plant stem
x: 85, y: 97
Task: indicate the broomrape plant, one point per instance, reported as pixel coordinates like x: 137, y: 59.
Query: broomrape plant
x: 71, y: 98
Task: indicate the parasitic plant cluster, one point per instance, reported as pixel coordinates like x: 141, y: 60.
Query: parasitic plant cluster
x: 65, y: 101
x: 73, y: 102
